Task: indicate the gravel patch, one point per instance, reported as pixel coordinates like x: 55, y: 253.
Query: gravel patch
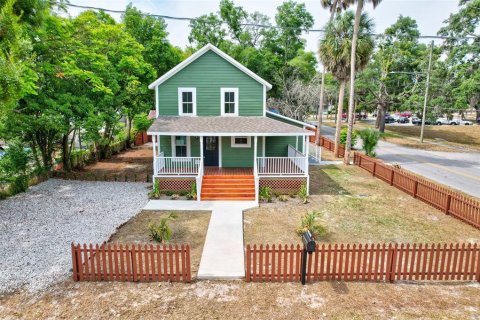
x: 37, y: 227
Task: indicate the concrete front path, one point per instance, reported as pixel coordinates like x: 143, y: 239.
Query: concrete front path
x: 223, y: 251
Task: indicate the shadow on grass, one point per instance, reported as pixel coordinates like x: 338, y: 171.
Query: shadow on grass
x: 322, y: 183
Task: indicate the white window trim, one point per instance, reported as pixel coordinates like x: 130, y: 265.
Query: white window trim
x: 222, y: 101
x: 174, y: 150
x: 248, y: 145
x: 194, y: 100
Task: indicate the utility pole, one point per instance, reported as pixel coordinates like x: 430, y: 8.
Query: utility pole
x: 426, y: 93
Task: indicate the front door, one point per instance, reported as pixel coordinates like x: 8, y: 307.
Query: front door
x: 210, y: 151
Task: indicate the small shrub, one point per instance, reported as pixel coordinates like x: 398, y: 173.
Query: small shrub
x: 283, y: 198
x: 303, y: 193
x: 18, y: 184
x: 141, y: 122
x: 161, y: 232
x: 309, y: 223
x: 265, y: 194
x: 343, y: 136
x: 175, y: 196
x: 370, y: 139
x: 192, y: 195
x: 156, y: 193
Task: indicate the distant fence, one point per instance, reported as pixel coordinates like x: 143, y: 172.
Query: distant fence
x: 93, y: 176
x: 108, y: 262
x: 330, y: 145
x: 369, y: 262
x: 449, y: 201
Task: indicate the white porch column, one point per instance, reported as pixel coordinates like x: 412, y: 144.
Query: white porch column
x: 154, y: 138
x: 307, y: 144
x: 159, y: 150
x: 255, y: 155
x: 201, y: 147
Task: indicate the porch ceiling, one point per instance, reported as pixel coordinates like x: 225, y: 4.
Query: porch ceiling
x: 224, y: 126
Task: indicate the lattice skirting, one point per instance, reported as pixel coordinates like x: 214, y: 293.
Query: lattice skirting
x: 175, y: 184
x: 283, y: 185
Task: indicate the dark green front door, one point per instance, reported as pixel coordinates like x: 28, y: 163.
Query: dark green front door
x: 210, y: 151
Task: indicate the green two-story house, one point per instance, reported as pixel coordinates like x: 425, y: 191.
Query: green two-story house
x: 212, y: 127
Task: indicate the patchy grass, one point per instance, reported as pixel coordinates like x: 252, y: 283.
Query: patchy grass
x: 356, y: 208
x: 240, y: 300
x: 189, y: 227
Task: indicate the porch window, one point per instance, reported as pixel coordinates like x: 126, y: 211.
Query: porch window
x: 180, y: 146
x: 241, y: 142
x: 229, y: 101
x: 187, y: 101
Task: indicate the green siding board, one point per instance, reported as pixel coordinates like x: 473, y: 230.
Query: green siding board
x: 208, y: 74
x: 278, y: 146
x: 166, y: 146
x: 236, y: 157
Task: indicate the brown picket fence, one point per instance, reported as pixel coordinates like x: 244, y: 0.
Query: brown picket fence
x: 330, y: 145
x: 439, y: 196
x: 368, y: 262
x: 107, y: 262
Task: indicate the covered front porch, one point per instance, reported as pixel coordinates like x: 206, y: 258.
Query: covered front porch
x: 203, y: 153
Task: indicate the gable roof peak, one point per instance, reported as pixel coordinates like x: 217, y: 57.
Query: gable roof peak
x: 201, y: 52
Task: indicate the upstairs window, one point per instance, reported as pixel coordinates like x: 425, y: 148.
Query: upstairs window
x: 187, y: 101
x: 229, y: 101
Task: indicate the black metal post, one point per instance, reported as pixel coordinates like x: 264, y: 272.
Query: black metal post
x: 304, y: 265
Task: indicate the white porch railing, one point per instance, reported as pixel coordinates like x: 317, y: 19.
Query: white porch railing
x: 177, y: 165
x: 295, y: 164
x: 199, y: 180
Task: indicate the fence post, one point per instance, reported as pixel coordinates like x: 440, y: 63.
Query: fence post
x: 392, y: 252
x: 391, y: 177
x: 447, y: 207
x: 247, y: 269
x: 74, y: 262
x: 415, y: 188
x: 374, y: 167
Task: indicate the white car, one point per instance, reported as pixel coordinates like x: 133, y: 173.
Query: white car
x: 460, y: 121
x: 441, y: 121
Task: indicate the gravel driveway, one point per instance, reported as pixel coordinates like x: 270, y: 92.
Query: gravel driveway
x: 37, y: 227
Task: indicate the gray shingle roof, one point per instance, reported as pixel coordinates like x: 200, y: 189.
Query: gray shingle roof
x: 224, y: 126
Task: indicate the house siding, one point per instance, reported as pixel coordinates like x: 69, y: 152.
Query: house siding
x: 278, y: 146
x: 166, y: 146
x: 208, y: 74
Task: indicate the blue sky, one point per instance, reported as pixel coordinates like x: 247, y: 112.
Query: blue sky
x: 429, y: 14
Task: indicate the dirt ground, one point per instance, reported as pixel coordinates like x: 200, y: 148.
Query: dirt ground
x: 188, y: 227
x: 133, y: 164
x: 241, y: 300
x: 356, y: 208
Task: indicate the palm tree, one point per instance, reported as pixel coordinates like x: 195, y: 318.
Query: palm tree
x: 334, y: 6
x: 335, y: 48
x: 353, y: 56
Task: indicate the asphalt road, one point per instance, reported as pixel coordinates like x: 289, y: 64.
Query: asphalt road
x: 459, y: 170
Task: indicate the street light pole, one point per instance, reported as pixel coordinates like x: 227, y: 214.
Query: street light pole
x: 426, y: 93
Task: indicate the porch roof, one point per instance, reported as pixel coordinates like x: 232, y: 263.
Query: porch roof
x: 224, y: 126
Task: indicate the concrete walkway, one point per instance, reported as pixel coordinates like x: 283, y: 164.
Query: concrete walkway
x: 223, y: 251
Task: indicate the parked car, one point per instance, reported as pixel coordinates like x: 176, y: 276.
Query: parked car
x: 441, y: 121
x: 403, y: 120
x: 459, y: 122
x: 389, y: 119
x: 406, y: 114
x: 418, y: 121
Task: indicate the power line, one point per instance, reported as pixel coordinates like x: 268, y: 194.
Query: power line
x: 166, y: 17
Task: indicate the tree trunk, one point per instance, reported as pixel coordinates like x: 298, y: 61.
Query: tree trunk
x: 67, y: 164
x: 339, y: 115
x: 381, y: 126
x: 351, y: 105
x: 322, y: 86
x: 129, y: 132
x: 320, y: 109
